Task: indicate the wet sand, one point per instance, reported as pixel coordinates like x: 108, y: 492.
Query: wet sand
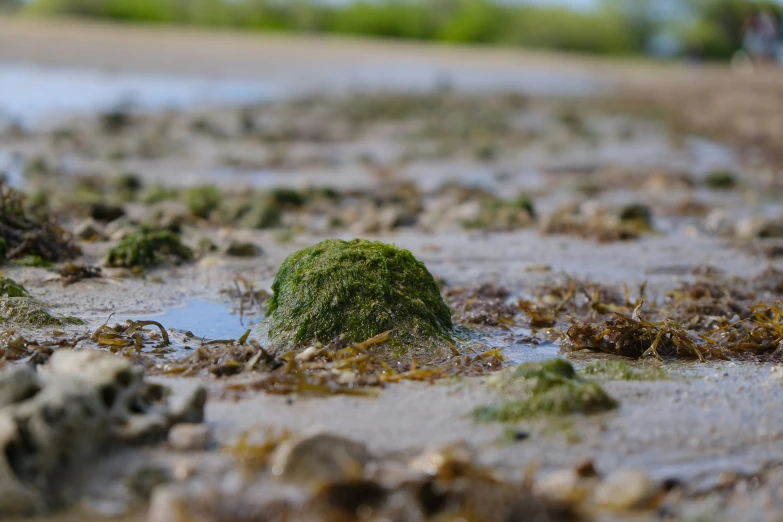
x: 706, y: 421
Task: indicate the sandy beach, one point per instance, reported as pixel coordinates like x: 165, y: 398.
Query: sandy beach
x: 580, y: 136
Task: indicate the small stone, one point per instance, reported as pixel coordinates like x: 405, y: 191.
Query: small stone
x: 308, y: 354
x: 776, y: 374
x: 719, y: 222
x: 320, y: 457
x: 184, y: 470
x: 565, y: 486
x: 188, y: 407
x: 90, y: 230
x: 105, y: 212
x: 18, y: 384
x: 205, y: 246
x: 146, y: 479
x: 758, y: 227
x: 168, y: 505
x: 585, y: 468
x: 243, y: 249
x: 627, y: 490
x: 347, y: 498
x: 120, y: 228
x: 189, y: 437
x: 143, y: 428
x: 639, y: 213
x: 446, y: 462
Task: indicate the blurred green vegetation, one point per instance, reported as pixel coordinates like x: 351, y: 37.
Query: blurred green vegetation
x: 710, y: 29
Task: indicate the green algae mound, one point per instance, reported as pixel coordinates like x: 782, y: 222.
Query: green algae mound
x: 355, y: 290
x: 31, y: 313
x: 622, y: 371
x: 546, y: 388
x: 202, y: 201
x: 148, y: 248
x: 10, y: 288
x: 17, y: 308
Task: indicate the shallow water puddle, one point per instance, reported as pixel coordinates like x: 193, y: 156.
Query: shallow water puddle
x: 211, y: 320
x: 519, y: 353
x: 11, y: 169
x: 31, y: 92
x: 205, y: 319
x: 516, y: 345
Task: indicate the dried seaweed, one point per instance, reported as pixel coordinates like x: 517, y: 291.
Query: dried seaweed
x: 15, y: 347
x: 131, y: 336
x: 601, y: 225
x: 72, y: 273
x: 250, y: 299
x: 222, y: 359
x: 255, y: 456
x: 25, y: 236
x: 354, y: 369
x: 486, y: 305
x: 632, y: 336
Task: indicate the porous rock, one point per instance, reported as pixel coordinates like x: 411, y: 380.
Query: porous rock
x: 320, y: 457
x: 627, y: 490
x: 62, y: 418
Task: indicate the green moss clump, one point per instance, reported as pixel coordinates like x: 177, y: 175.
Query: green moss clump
x: 546, y: 388
x: 261, y: 214
x: 243, y: 249
x: 10, y: 288
x: 288, y: 198
x: 128, y: 186
x: 31, y: 313
x: 638, y: 214
x: 721, y: 180
x: 202, y: 201
x: 33, y: 261
x: 148, y: 248
x: 355, y: 289
x: 501, y: 214
x: 158, y: 193
x: 622, y: 371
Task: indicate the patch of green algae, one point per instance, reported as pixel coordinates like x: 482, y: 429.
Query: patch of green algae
x: 355, y: 290
x: 17, y: 308
x: 148, y: 248
x: 546, y: 388
x: 622, y: 371
x: 30, y: 313
x: 202, y: 201
x: 10, y: 288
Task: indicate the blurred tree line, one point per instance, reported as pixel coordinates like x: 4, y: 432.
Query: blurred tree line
x: 709, y: 29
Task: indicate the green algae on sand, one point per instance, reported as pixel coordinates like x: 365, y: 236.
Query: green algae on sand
x: 31, y: 313
x: 355, y: 290
x: 202, y: 201
x: 543, y: 388
x: 19, y: 309
x: 148, y: 248
x: 10, y: 288
x: 622, y: 371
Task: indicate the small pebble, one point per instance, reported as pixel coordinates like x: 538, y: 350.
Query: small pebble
x: 167, y: 505
x: 585, y: 469
x: 627, y: 490
x: 320, y: 457
x: 90, y: 230
x: 189, y: 437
